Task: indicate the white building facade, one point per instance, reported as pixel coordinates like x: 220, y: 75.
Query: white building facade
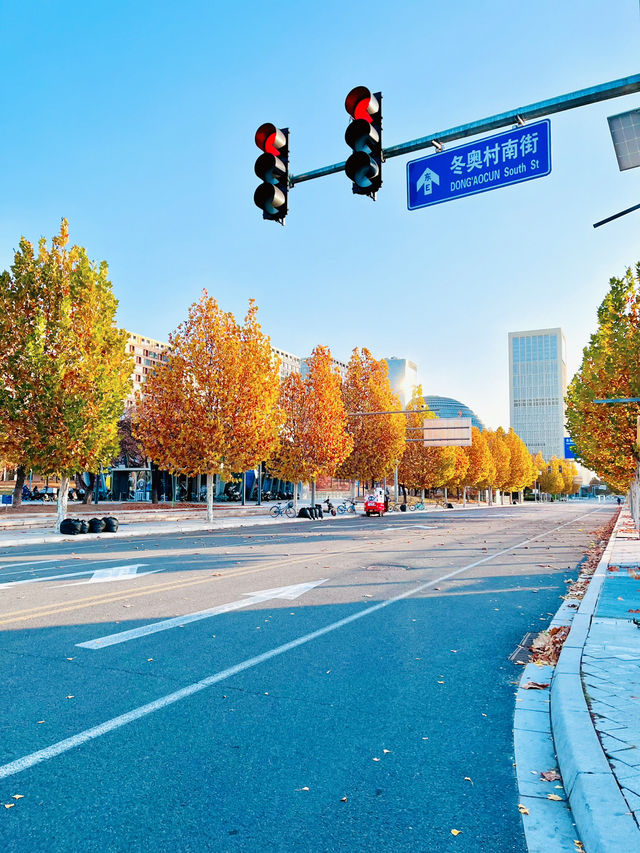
x: 537, y: 388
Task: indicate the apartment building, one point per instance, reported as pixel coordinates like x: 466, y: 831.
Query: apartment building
x: 147, y: 354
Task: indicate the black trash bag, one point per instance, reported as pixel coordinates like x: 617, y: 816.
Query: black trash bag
x: 403, y: 507
x: 449, y: 506
x: 71, y: 526
x: 96, y: 525
x: 318, y: 509
x: 110, y: 524
x: 84, y: 526
x: 303, y: 512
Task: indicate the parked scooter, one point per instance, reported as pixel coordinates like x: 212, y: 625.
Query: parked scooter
x: 330, y: 507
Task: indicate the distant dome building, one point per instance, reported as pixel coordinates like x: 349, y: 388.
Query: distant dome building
x: 447, y: 407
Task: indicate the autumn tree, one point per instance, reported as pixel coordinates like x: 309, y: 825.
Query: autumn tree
x: 605, y: 436
x: 313, y: 440
x: 424, y: 467
x: 211, y: 407
x: 462, y: 462
x: 64, y: 373
x: 570, y: 478
x: 501, y: 456
x: 481, y: 468
x: 378, y: 440
x: 551, y: 480
x: 521, y: 470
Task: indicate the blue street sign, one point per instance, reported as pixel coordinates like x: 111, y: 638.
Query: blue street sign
x: 496, y: 161
x: 569, y: 448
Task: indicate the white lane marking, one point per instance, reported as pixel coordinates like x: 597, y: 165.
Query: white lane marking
x: 126, y: 575
x: 65, y: 745
x: 116, y: 573
x: 412, y: 527
x: 30, y: 563
x: 287, y: 592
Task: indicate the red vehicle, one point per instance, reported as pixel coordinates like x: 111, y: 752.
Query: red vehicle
x: 375, y: 504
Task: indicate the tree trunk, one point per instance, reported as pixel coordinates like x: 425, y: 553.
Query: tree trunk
x: 464, y: 497
x: 155, y: 482
x: 210, y: 490
x: 63, y: 495
x: 88, y: 490
x: 17, y: 491
x: 313, y: 492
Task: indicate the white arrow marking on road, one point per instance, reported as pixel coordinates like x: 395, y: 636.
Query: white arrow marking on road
x: 117, y: 572
x: 427, y: 179
x: 287, y: 592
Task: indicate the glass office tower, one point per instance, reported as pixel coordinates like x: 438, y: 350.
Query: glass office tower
x: 537, y: 387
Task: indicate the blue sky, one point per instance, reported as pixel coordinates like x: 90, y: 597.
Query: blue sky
x: 136, y: 122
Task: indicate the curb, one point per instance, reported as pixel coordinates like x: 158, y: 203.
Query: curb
x: 600, y: 812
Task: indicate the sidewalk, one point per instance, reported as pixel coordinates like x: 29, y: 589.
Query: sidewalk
x: 587, y: 724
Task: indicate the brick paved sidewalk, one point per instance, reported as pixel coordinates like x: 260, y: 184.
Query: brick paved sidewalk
x: 611, y: 663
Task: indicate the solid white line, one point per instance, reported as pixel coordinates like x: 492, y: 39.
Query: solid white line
x: 31, y: 563
x: 48, y: 752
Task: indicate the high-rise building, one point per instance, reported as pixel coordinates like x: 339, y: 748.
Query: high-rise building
x: 403, y: 377
x: 537, y: 387
x: 147, y: 354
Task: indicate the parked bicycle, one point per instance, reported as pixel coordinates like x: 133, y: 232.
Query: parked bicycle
x: 415, y: 506
x: 347, y: 505
x: 278, y: 510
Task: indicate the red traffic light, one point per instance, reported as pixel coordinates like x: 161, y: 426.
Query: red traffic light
x: 272, y: 168
x: 270, y: 138
x: 364, y: 137
x: 361, y: 104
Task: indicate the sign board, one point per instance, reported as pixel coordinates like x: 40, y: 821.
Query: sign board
x: 625, y: 134
x: 510, y: 157
x: 569, y: 448
x: 6, y: 500
x: 447, y: 432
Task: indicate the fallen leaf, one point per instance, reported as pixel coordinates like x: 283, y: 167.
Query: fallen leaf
x: 553, y: 797
x: 18, y: 796
x: 456, y: 831
x: 70, y: 658
x: 535, y: 685
x: 468, y: 779
x: 40, y: 722
x: 302, y: 789
x: 522, y: 809
x: 8, y: 805
x: 376, y: 759
x: 71, y: 696
x: 343, y: 799
x: 386, y: 750
x: 149, y: 659
x: 551, y: 775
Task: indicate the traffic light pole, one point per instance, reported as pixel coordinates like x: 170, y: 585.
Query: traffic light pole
x: 580, y: 98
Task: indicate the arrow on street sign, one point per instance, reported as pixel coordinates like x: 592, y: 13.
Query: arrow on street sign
x: 251, y: 598
x: 427, y: 180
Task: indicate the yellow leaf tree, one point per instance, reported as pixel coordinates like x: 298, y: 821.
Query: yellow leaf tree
x: 501, y: 458
x: 378, y: 440
x: 521, y: 471
x: 551, y: 480
x: 481, y: 470
x: 313, y: 440
x: 64, y: 372
x: 211, y: 407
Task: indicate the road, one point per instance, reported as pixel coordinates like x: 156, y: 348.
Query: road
x: 339, y: 685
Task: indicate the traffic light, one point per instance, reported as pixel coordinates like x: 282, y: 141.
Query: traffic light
x: 272, y: 167
x: 364, y: 135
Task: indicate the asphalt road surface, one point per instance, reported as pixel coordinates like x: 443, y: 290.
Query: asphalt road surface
x: 338, y: 685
